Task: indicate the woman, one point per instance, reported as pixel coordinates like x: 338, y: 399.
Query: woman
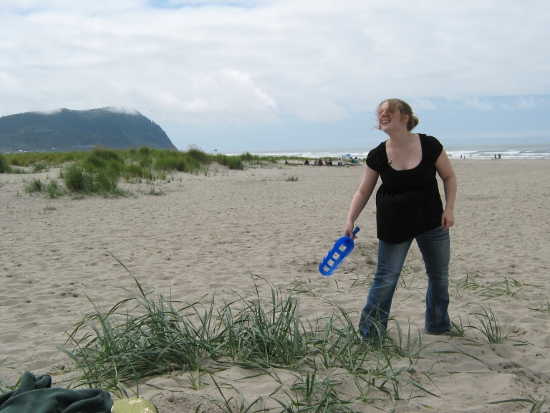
x: 408, y: 206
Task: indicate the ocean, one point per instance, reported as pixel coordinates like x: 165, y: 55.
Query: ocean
x: 477, y: 152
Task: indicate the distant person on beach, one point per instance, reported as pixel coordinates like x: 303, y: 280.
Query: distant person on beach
x: 408, y: 206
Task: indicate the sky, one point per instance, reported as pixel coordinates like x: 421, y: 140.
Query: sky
x: 283, y: 75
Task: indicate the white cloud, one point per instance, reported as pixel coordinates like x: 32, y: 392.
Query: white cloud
x: 426, y: 104
x: 526, y: 103
x: 203, y: 61
x: 205, y: 3
x: 50, y: 112
x: 477, y: 104
x: 122, y: 109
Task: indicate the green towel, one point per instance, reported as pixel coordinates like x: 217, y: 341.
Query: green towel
x: 35, y: 395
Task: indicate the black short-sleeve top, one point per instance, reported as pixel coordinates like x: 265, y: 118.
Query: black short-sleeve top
x: 408, y: 202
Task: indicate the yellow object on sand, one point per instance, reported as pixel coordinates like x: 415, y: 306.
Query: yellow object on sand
x: 133, y: 406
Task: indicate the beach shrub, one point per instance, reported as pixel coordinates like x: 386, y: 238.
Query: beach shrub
x: 93, y: 163
x: 106, y: 154
x: 103, y: 159
x: 76, y: 179
x: 256, y: 159
x: 197, y: 153
x: 35, y: 185
x: 39, y: 167
x: 53, y: 189
x: 145, y: 161
x: 170, y: 163
x: 248, y: 157
x: 133, y: 171
x: 231, y: 162
x: 102, y: 181
x: 105, y: 181
x: 4, y: 166
x: 68, y: 157
x: 178, y: 161
x: 144, y: 151
x: 235, y: 163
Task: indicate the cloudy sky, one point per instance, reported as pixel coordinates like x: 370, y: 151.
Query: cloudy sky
x: 257, y: 75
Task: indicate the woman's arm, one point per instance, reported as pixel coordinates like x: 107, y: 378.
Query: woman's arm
x: 447, y: 174
x: 360, y: 199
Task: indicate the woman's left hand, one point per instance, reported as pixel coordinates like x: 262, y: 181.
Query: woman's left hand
x: 447, y: 219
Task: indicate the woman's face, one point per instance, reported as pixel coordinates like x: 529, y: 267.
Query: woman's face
x: 388, y: 121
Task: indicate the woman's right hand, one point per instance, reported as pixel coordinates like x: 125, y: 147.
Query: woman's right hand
x: 349, y: 229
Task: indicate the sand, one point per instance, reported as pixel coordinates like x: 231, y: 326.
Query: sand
x: 210, y: 233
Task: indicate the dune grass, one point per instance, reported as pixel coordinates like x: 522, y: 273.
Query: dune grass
x: 99, y: 171
x: 536, y: 405
x: 187, y: 161
x: 35, y: 185
x: 490, y: 326
x: 4, y: 165
x: 152, y: 334
x: 331, y: 368
x: 50, y: 187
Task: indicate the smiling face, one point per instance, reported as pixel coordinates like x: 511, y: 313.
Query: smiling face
x: 391, y: 118
x: 394, y: 113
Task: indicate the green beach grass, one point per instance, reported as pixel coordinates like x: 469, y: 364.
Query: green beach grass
x: 316, y: 364
x: 153, y: 335
x: 99, y: 171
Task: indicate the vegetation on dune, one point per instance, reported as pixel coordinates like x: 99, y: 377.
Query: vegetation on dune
x: 315, y: 364
x: 99, y: 171
x: 193, y: 159
x: 152, y: 335
x: 332, y: 368
x: 4, y: 165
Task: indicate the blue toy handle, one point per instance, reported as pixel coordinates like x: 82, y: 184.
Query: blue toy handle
x: 341, y: 249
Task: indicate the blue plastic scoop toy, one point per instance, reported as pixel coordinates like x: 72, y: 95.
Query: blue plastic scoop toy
x: 341, y: 249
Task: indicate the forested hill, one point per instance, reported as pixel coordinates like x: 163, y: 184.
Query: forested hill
x: 67, y: 130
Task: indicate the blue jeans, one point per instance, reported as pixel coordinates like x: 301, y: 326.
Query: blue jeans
x: 436, y: 252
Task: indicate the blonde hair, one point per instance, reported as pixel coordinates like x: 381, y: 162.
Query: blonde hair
x: 403, y: 107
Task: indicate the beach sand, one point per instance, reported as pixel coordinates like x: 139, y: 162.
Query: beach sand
x: 215, y: 233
